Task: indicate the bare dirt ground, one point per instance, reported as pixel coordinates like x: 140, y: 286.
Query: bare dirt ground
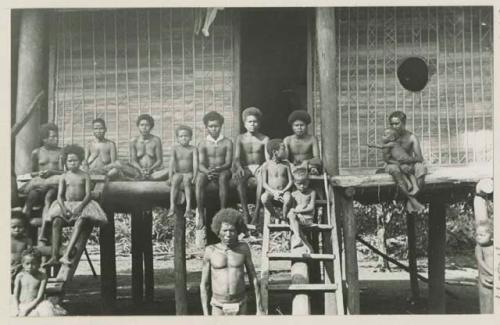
x: 381, y: 292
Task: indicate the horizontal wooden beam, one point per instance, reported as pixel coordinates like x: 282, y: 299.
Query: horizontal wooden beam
x: 285, y: 227
x: 437, y: 175
x: 321, y: 287
x: 300, y: 257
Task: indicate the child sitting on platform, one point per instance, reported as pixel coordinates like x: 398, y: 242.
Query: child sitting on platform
x: 276, y: 178
x: 29, y: 289
x: 302, y: 214
x: 73, y: 206
x: 484, y: 257
x: 303, y: 149
x: 224, y: 267
x: 19, y: 242
x: 100, y: 153
x: 183, y: 169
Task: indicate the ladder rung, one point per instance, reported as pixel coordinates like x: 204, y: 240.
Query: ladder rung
x: 321, y: 202
x: 296, y: 256
x: 285, y: 227
x: 303, y: 287
x: 54, y: 286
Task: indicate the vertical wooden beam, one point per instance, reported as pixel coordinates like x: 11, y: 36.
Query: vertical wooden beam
x: 32, y: 78
x: 412, y: 256
x: 148, y: 256
x: 108, y: 262
x: 325, y: 35
x: 301, y: 304
x: 137, y: 249
x: 180, y: 263
x: 436, y: 253
x: 351, y: 259
x: 236, y: 95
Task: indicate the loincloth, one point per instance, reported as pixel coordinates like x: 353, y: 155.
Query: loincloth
x: 253, y: 169
x: 92, y: 211
x: 235, y: 306
x: 45, y: 308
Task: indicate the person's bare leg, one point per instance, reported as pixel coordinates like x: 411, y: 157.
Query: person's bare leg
x: 209, y: 18
x: 267, y: 199
x: 409, y: 184
x: 77, y: 230
x: 242, y: 193
x: 201, y: 183
x: 258, y: 194
x: 160, y: 175
x: 50, y: 197
x: 287, y: 204
x: 57, y: 225
x: 224, y: 188
x: 413, y: 180
x: 174, y: 191
x: 31, y: 200
x: 188, y: 190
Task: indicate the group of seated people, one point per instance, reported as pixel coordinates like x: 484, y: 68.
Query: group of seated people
x: 61, y: 178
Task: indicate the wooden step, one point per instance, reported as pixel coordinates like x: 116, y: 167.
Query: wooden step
x: 285, y: 227
x: 54, y: 287
x: 303, y: 287
x: 296, y: 257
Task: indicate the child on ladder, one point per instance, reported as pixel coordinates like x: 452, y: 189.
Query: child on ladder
x: 302, y: 214
x: 73, y: 205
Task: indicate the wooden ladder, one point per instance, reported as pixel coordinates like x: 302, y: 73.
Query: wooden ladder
x: 331, y: 278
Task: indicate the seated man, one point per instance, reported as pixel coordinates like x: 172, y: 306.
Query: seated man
x: 216, y: 157
x: 249, y: 155
x: 46, y: 168
x: 303, y: 149
x: 224, y: 267
x: 146, y: 153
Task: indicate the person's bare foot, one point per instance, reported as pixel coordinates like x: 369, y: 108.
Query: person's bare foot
x: 51, y: 262
x: 296, y: 242
x: 65, y: 260
x: 170, y: 213
x: 43, y: 241
x: 188, y: 214
x: 205, y: 32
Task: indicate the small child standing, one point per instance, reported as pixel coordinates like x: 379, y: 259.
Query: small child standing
x: 29, y: 289
x: 73, y: 205
x: 19, y: 242
x: 484, y: 257
x: 183, y: 169
x: 276, y: 178
x: 302, y: 214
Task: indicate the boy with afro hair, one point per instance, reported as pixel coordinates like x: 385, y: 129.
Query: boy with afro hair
x: 224, y: 267
x: 303, y: 148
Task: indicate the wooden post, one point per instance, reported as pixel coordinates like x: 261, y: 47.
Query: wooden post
x: 326, y: 52
x: 436, y: 253
x: 32, y: 67
x: 180, y: 263
x: 412, y: 256
x: 148, y: 255
x: 351, y: 258
x: 300, y: 275
x: 137, y: 234
x: 108, y: 261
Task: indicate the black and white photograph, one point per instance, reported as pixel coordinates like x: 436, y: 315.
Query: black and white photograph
x: 212, y: 161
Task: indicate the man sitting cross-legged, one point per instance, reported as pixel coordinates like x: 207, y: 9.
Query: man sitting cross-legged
x: 224, y: 267
x: 215, y: 155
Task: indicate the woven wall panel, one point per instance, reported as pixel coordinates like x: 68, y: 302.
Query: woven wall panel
x: 117, y: 64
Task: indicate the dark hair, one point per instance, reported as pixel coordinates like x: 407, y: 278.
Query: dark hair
x: 300, y: 115
x: 146, y: 117
x: 32, y: 251
x: 18, y: 215
x: 73, y: 149
x: 230, y: 216
x: 184, y: 127
x: 46, y: 128
x: 213, y: 116
x: 273, y: 145
x: 300, y: 173
x: 99, y: 120
x: 251, y: 111
x: 400, y: 115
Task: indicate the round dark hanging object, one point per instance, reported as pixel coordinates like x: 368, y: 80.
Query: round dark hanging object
x: 413, y: 74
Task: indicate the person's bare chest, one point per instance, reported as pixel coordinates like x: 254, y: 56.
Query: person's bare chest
x: 227, y: 259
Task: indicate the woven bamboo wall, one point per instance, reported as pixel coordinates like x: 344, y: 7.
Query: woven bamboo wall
x: 117, y: 64
x: 452, y: 116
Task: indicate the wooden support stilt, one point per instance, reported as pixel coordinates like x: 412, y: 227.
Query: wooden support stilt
x: 137, y: 261
x: 264, y: 264
x: 108, y: 261
x: 412, y: 256
x: 180, y: 263
x: 301, y: 304
x: 436, y: 253
x: 148, y: 256
x: 31, y: 79
x: 351, y: 259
